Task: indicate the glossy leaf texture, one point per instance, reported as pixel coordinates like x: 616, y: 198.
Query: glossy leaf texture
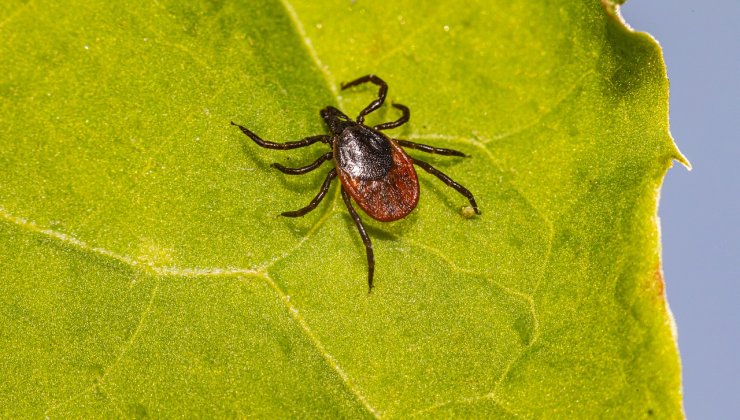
x: 146, y: 270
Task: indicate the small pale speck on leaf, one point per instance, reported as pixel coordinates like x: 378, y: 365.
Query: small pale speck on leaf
x: 467, y: 212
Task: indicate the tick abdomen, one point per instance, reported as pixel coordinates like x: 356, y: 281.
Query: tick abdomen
x: 362, y: 153
x: 373, y: 169
x: 390, y: 197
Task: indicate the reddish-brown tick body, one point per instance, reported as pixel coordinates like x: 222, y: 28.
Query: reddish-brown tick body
x: 373, y: 169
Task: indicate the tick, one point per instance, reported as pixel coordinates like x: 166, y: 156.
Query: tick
x: 373, y: 168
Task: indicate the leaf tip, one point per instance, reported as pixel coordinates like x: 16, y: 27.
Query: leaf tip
x: 679, y: 157
x: 685, y: 162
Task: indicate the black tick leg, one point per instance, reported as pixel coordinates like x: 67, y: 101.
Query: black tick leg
x: 316, y: 200
x: 365, y: 239
x: 399, y: 122
x: 374, y: 104
x: 283, y: 146
x: 429, y: 149
x: 447, y: 180
x: 304, y: 169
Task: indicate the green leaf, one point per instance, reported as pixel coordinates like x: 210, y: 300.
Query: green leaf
x: 146, y: 270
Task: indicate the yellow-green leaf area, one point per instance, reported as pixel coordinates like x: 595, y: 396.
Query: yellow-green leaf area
x: 146, y: 270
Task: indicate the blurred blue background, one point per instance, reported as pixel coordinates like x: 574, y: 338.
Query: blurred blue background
x: 700, y: 210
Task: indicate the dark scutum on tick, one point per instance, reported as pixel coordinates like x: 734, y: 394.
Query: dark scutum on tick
x: 373, y: 169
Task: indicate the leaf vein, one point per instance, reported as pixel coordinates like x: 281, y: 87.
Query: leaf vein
x: 328, y: 213
x: 469, y: 401
x: 558, y: 102
x: 16, y: 14
x: 529, y: 299
x: 320, y: 348
x: 145, y: 266
x: 485, y: 140
x: 324, y: 69
x: 98, y: 382
x: 404, y: 43
x: 494, y: 162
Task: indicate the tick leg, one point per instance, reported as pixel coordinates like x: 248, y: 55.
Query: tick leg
x: 304, y: 169
x: 316, y: 200
x: 283, y: 146
x: 365, y: 239
x: 399, y: 122
x: 374, y: 104
x: 429, y: 149
x: 447, y: 180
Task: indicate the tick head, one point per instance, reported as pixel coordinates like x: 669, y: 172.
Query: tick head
x: 336, y: 120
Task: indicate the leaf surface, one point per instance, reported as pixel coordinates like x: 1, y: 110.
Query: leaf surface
x: 146, y: 269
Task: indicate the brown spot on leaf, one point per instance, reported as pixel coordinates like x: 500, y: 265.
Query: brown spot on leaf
x: 611, y: 6
x: 658, y: 283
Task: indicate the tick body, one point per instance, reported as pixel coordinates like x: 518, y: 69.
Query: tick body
x: 376, y: 173
x: 373, y: 169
